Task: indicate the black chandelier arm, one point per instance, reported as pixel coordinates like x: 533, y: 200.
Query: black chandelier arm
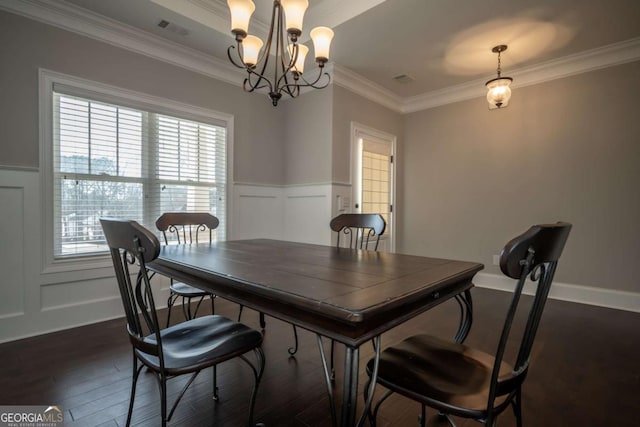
x: 233, y: 61
x: 313, y: 84
x: 267, y: 46
x: 286, y: 68
x: 256, y: 85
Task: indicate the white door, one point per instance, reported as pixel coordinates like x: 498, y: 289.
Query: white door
x: 373, y: 178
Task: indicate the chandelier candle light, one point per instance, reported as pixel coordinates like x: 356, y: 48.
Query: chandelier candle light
x: 499, y: 90
x: 289, y: 54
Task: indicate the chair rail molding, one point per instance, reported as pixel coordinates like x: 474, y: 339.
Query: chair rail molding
x: 79, y: 20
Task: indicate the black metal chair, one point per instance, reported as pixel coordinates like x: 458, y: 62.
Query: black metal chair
x: 185, y: 348
x: 187, y: 228
x: 458, y: 380
x: 361, y: 229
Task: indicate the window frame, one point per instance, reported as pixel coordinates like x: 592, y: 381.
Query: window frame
x: 50, y: 82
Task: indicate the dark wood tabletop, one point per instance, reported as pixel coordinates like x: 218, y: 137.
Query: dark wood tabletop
x: 345, y: 294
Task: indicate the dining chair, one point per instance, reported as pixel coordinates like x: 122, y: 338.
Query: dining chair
x: 187, y: 228
x: 458, y: 380
x: 360, y: 229
x: 185, y: 348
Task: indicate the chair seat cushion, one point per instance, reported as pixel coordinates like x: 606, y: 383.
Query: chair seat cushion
x: 201, y: 342
x: 185, y: 290
x: 442, y: 374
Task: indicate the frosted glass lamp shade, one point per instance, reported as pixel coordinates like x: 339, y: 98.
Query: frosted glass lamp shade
x: 499, y: 92
x: 298, y: 67
x: 241, y: 11
x: 294, y: 14
x: 251, y: 46
x: 322, y: 37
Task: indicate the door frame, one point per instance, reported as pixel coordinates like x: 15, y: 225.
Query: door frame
x: 359, y: 130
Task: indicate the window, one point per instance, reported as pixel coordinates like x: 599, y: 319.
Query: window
x: 373, y: 177
x: 111, y: 159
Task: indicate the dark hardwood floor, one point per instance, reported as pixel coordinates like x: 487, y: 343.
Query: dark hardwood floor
x: 584, y: 372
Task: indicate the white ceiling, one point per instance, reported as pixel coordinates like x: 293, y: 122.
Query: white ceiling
x: 439, y: 43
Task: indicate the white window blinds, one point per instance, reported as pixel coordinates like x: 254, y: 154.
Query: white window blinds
x: 111, y: 160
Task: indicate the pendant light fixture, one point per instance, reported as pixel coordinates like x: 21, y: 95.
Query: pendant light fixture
x: 499, y: 91
x: 285, y: 76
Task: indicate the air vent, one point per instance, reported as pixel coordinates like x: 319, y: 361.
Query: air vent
x: 173, y: 28
x: 403, y: 78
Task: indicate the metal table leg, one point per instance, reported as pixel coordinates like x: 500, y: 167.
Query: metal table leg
x: 350, y: 390
x: 350, y: 394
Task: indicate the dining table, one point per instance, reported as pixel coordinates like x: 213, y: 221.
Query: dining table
x: 351, y: 296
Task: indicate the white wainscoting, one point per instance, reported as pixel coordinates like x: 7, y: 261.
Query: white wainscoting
x: 34, y: 300
x: 307, y: 213
x: 257, y: 212
x: 297, y: 213
x: 12, y: 250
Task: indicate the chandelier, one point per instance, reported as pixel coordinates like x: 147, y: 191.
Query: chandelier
x: 289, y: 55
x: 499, y: 91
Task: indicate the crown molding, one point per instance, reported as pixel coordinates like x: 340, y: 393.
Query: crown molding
x: 90, y: 24
x: 82, y: 21
x: 359, y: 85
x: 583, y: 62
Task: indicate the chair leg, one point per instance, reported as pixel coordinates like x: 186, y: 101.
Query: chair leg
x: 517, y: 407
x: 172, y: 299
x: 240, y: 313
x: 257, y: 374
x: 293, y: 350
x: 262, y: 322
x: 163, y: 399
x: 333, y: 371
x: 134, y: 382
x: 186, y: 307
x: 180, y: 395
x: 195, y: 312
x: 216, y: 397
x: 376, y: 408
x: 213, y: 307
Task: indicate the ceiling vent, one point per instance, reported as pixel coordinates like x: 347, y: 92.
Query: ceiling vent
x: 404, y: 79
x: 166, y: 25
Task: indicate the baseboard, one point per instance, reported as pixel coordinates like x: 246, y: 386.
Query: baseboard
x: 610, y: 298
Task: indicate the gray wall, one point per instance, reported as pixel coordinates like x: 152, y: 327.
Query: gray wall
x: 307, y: 124
x: 349, y: 107
x: 565, y: 150
x: 27, y: 45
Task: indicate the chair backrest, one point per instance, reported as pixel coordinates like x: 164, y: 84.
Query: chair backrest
x: 360, y: 228
x: 131, y: 244
x: 534, y: 255
x: 184, y: 225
